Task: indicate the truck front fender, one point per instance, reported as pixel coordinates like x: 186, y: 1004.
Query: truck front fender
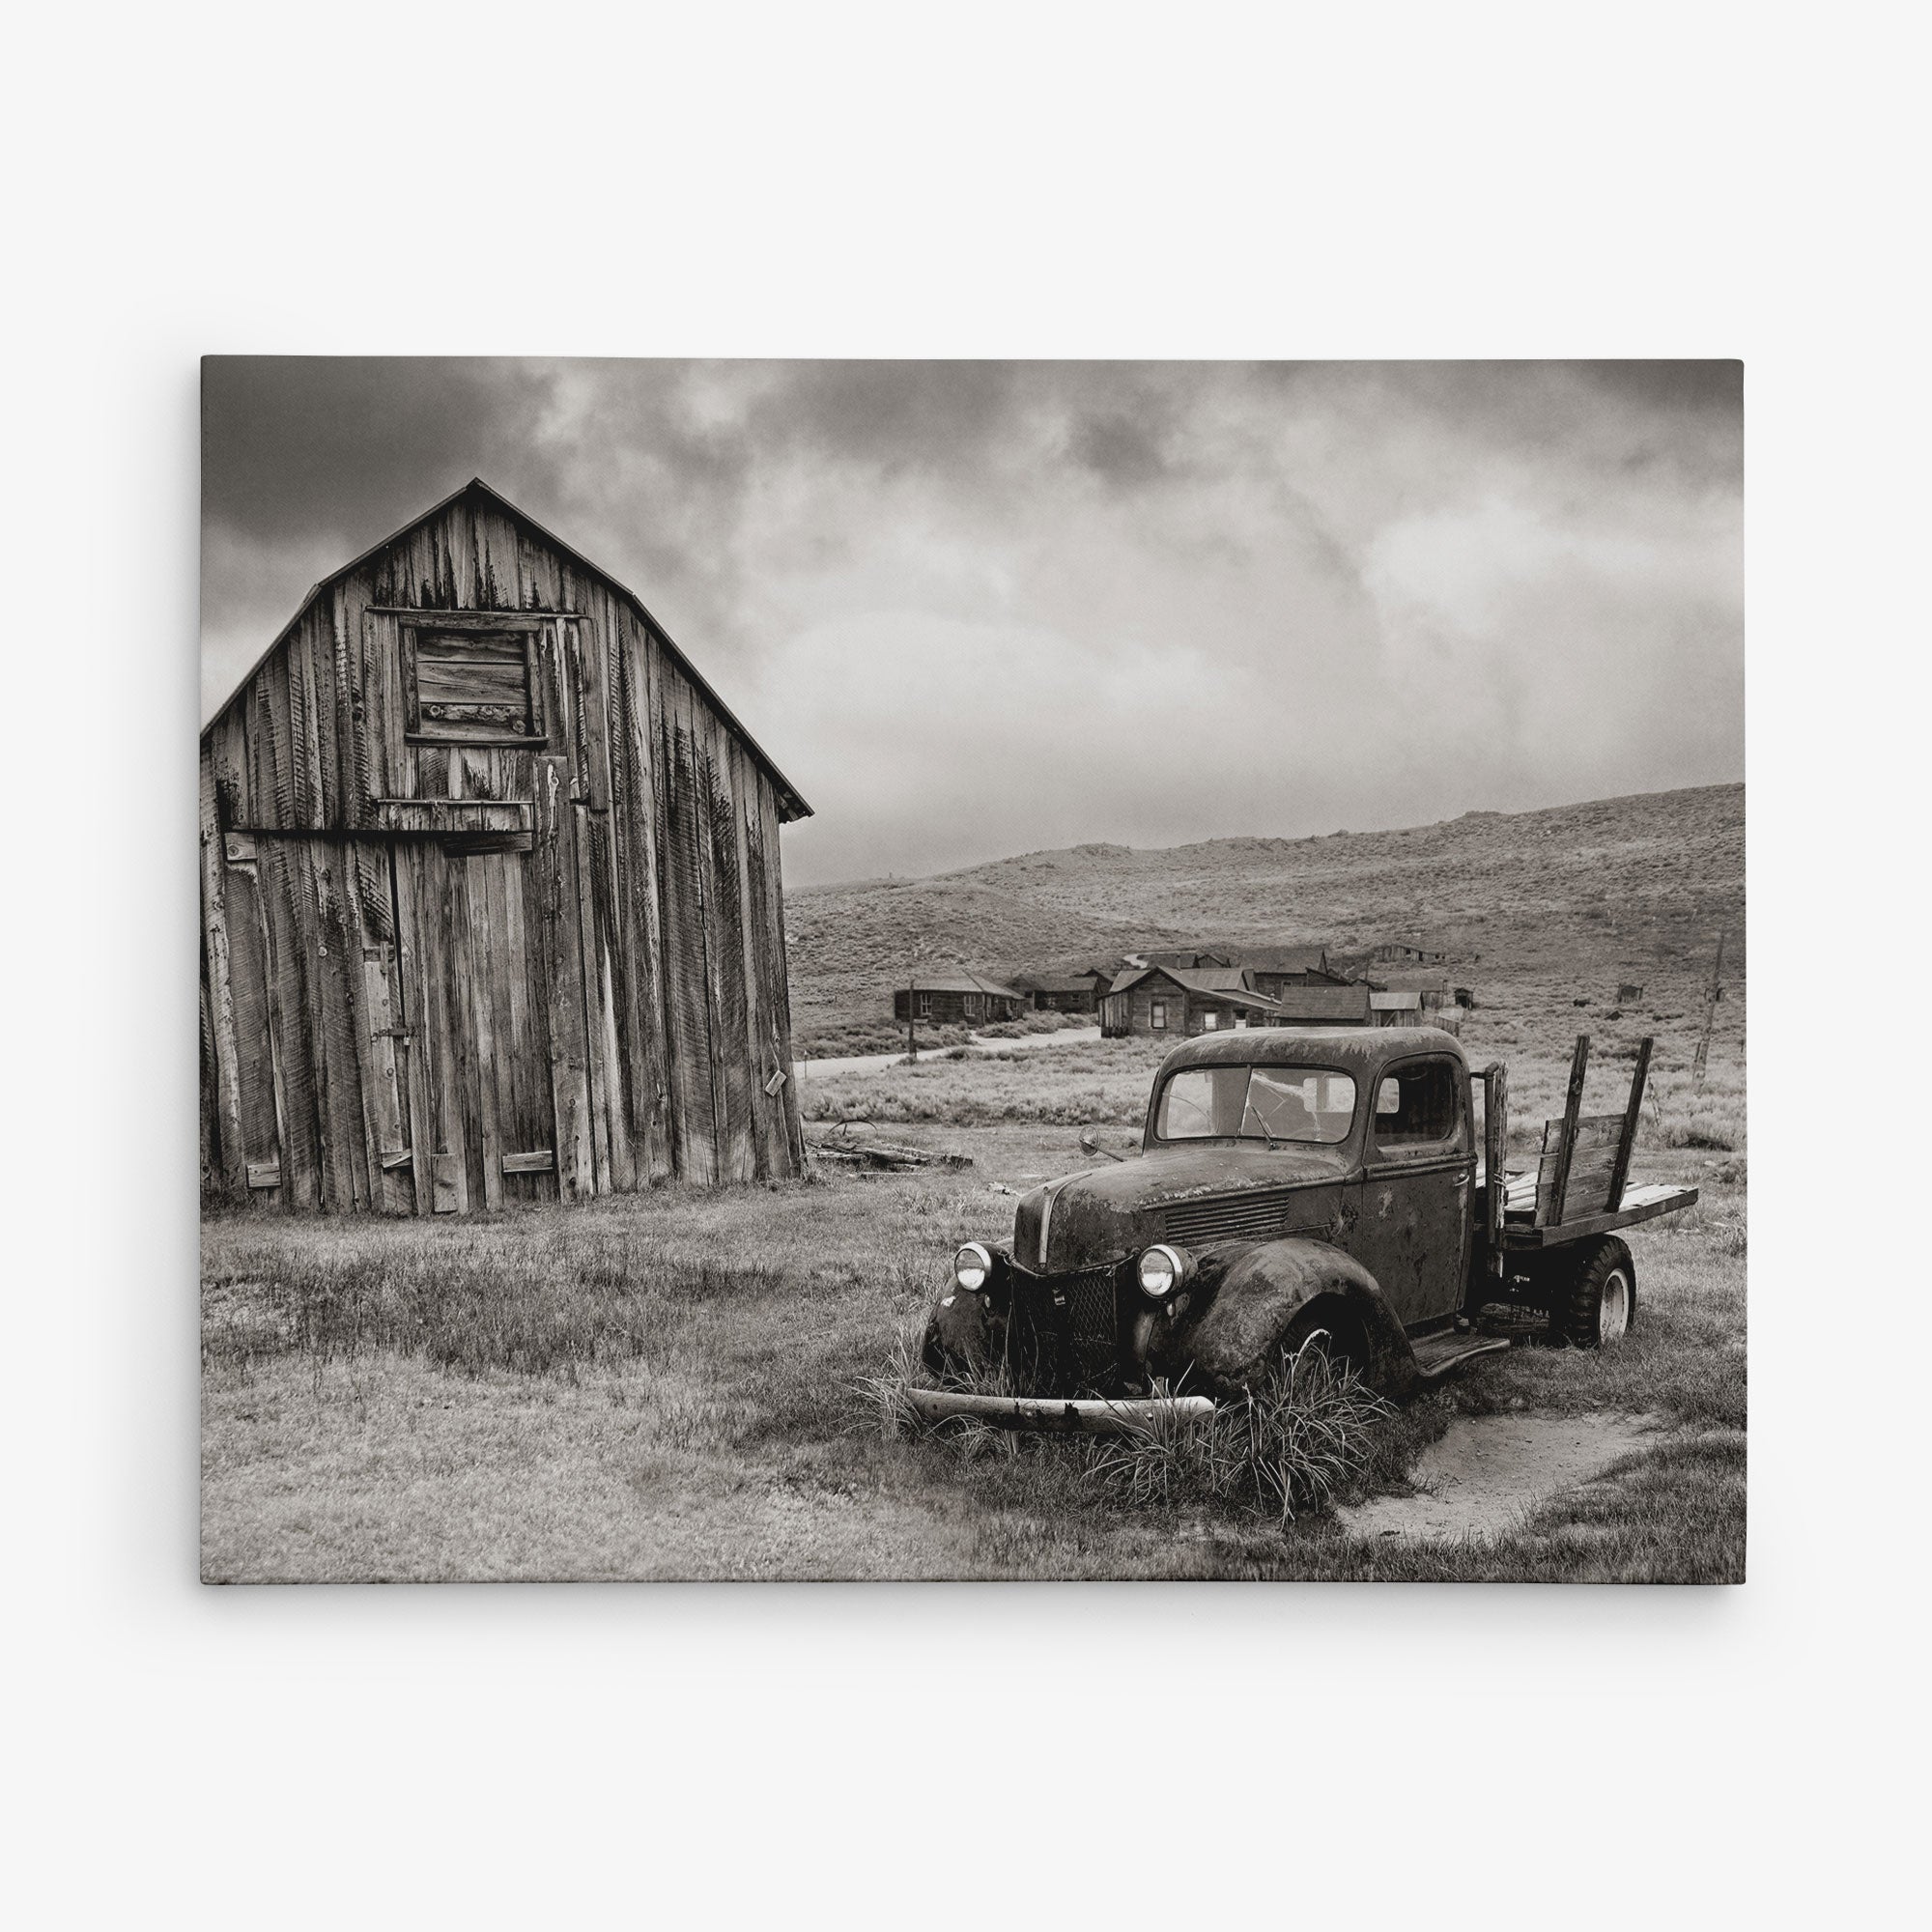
x: 964, y: 1332
x: 1261, y: 1293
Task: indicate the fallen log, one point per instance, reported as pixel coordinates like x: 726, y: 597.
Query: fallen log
x: 885, y: 1154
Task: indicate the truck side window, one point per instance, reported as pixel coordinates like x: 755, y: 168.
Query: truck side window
x: 1415, y: 1105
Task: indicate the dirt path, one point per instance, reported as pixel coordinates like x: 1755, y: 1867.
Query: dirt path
x: 872, y: 1063
x: 1489, y: 1472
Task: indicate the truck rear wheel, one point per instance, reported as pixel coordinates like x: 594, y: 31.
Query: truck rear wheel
x: 1600, y: 1307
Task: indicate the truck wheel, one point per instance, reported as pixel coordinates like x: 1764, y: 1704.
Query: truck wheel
x: 1601, y: 1307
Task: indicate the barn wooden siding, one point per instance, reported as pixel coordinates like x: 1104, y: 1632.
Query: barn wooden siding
x: 443, y: 976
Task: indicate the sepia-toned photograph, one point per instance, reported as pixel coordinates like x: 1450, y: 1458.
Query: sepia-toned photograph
x: 948, y: 970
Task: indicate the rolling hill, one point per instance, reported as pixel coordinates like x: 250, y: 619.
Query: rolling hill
x: 1632, y: 888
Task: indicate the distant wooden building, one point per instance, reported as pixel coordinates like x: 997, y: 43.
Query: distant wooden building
x: 1407, y: 952
x: 1065, y: 993
x: 490, y: 895
x: 1188, y: 959
x: 1182, y: 1002
x: 957, y: 998
x: 1423, y: 1004
x: 1342, y: 1003
x: 1275, y: 970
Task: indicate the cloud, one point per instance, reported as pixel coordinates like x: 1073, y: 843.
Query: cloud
x: 978, y: 608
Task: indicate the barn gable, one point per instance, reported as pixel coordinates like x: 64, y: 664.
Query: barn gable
x: 490, y: 891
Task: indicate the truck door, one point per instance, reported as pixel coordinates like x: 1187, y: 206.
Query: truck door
x: 1413, y: 1219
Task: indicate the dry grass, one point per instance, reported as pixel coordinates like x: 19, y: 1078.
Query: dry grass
x: 670, y: 1385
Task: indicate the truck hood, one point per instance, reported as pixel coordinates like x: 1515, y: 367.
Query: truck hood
x: 1085, y: 1219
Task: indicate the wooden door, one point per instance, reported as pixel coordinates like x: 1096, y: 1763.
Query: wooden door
x: 480, y: 1061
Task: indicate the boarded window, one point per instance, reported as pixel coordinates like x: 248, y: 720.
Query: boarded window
x: 471, y: 686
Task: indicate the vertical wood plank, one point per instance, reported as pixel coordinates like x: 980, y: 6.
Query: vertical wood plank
x: 221, y: 1072
x: 689, y: 1034
x: 480, y: 982
x: 724, y: 910
x: 632, y: 748
x: 304, y: 1149
x: 778, y: 967
x: 414, y: 1015
x: 1496, y: 1154
x: 1566, y: 1147
x: 553, y: 883
x: 1627, y: 1139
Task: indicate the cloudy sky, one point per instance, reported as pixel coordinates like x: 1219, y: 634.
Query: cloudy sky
x: 978, y: 608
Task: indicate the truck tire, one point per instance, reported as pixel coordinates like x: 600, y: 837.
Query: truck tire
x: 1599, y: 1307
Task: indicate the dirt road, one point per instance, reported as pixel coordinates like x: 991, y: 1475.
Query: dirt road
x: 872, y: 1063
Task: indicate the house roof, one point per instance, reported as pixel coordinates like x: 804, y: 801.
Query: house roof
x: 1222, y: 985
x: 1281, y: 958
x: 1068, y: 982
x: 959, y: 980
x: 792, y: 804
x: 1190, y: 959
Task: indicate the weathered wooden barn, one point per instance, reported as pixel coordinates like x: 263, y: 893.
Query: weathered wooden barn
x: 1178, y: 1001
x: 491, y: 900
x: 956, y: 999
x: 1407, y: 952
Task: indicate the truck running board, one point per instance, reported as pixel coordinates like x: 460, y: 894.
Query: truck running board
x: 1437, y: 1354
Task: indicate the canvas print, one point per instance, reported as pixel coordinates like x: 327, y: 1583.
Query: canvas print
x: 971, y: 970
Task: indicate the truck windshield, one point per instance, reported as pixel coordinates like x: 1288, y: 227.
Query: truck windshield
x: 1262, y: 1103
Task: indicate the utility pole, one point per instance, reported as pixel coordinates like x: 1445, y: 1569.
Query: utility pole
x: 921, y: 949
x: 1711, y: 995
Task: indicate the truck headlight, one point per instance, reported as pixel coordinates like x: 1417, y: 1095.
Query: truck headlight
x: 1163, y: 1270
x: 972, y: 1266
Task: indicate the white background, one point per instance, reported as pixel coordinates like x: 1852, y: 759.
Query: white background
x: 1036, y: 180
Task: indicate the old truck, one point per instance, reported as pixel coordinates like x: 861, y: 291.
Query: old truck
x: 1293, y: 1181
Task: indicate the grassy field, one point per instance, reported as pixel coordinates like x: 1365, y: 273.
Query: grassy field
x: 672, y: 1386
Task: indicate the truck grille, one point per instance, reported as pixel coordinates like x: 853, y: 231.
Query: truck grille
x: 1066, y: 1332
x: 1233, y: 1217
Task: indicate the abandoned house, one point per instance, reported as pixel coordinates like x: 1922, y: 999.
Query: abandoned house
x: 490, y: 895
x: 1322, y: 1002
x: 957, y: 998
x: 1407, y: 952
x: 1415, y: 1005
x: 1274, y: 969
x: 1065, y: 993
x: 1181, y: 1001
x: 1189, y: 960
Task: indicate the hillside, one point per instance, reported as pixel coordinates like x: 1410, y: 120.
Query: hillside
x: 1632, y: 888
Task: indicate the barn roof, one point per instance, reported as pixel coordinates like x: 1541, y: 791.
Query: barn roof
x: 792, y: 803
